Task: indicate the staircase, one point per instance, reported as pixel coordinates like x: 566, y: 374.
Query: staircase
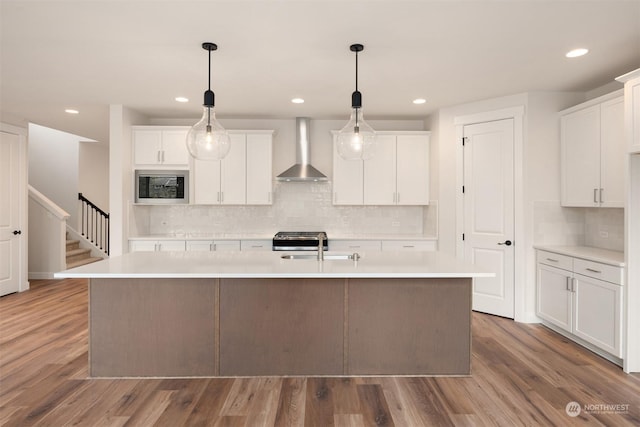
x: 77, y: 256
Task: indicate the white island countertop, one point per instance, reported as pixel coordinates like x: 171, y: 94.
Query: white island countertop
x: 271, y: 265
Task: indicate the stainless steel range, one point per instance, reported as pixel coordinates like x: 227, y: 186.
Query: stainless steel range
x: 300, y: 241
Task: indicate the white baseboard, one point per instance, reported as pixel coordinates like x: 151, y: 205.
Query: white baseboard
x: 40, y: 275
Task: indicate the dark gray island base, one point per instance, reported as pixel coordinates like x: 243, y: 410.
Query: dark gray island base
x: 207, y: 327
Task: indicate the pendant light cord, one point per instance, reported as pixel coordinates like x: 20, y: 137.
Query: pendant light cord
x: 357, y: 87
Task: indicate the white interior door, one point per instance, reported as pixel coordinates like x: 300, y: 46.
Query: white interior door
x: 10, y: 233
x: 489, y: 213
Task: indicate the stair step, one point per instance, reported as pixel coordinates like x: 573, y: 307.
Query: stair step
x: 77, y: 254
x: 72, y: 244
x: 83, y: 261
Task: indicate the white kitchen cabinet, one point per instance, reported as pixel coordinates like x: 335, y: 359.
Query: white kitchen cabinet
x: 632, y: 109
x: 244, y: 176
x: 582, y: 297
x: 397, y: 174
x: 259, y: 169
x: 347, y: 179
x: 409, y: 245
x: 156, y: 245
x: 256, y: 245
x: 592, y: 153
x: 355, y: 245
x: 157, y: 146
x: 213, y: 245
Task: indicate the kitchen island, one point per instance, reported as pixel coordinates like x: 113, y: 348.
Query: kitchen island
x: 186, y: 314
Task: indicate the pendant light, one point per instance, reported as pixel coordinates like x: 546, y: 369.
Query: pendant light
x: 356, y: 140
x: 207, y: 139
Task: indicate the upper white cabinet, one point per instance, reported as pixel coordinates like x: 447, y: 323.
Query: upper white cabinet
x: 259, y: 169
x: 157, y: 146
x: 632, y: 109
x: 242, y: 177
x: 397, y: 174
x: 592, y: 153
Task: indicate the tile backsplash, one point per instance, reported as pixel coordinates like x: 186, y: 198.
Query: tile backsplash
x: 296, y: 206
x: 596, y: 227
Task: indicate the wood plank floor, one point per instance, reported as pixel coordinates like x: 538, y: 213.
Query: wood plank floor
x: 523, y: 375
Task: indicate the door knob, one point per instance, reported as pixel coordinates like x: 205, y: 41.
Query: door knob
x: 506, y: 242
x: 16, y: 232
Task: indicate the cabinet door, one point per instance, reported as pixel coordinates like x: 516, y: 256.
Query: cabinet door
x: 206, y: 182
x: 554, y: 299
x: 412, y: 170
x: 580, y: 157
x: 380, y: 173
x: 233, y: 173
x: 174, y: 147
x: 597, y: 316
x: 171, y: 245
x: 200, y: 245
x: 632, y: 111
x: 259, y: 169
x: 226, y: 245
x: 347, y: 180
x: 612, y: 154
x: 147, y: 147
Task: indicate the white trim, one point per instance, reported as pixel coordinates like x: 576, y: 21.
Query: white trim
x: 46, y: 203
x: 517, y: 114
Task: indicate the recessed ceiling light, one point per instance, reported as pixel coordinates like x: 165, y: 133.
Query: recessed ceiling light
x: 182, y: 99
x: 577, y: 52
x: 419, y: 101
x: 71, y: 111
x: 297, y: 101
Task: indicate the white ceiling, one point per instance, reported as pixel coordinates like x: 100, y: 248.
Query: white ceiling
x: 142, y: 54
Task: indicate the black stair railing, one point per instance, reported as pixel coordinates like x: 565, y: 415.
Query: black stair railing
x: 95, y: 224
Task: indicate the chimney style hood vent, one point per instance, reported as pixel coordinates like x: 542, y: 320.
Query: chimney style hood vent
x: 302, y: 170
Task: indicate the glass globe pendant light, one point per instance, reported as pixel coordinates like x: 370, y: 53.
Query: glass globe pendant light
x: 356, y: 140
x: 207, y: 139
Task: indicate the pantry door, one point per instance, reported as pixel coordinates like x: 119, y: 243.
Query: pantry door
x: 488, y: 165
x: 11, y: 236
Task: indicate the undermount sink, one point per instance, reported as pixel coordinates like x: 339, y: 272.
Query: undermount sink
x: 327, y: 257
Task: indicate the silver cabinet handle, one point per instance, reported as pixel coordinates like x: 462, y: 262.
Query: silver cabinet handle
x: 408, y: 246
x: 568, y: 287
x: 552, y: 260
x: 158, y: 157
x: 593, y: 270
x: 354, y: 246
x: 595, y: 195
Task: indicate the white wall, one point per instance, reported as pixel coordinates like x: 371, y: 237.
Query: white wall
x: 93, y: 173
x: 120, y: 175
x: 53, y: 167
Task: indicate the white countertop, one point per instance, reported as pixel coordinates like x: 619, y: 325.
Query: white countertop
x: 270, y: 265
x: 604, y: 256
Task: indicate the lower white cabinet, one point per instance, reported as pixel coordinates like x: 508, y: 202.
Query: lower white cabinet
x: 582, y: 297
x: 213, y: 245
x: 156, y: 245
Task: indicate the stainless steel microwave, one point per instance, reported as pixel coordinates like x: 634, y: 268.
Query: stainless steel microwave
x: 162, y: 186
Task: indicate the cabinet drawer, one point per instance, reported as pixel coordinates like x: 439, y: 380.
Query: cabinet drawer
x: 598, y: 270
x: 349, y: 245
x: 556, y: 260
x: 256, y: 245
x: 409, y: 245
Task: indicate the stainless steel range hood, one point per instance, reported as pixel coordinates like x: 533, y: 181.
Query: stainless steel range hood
x: 302, y: 170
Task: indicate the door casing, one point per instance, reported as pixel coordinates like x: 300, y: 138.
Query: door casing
x: 517, y: 114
